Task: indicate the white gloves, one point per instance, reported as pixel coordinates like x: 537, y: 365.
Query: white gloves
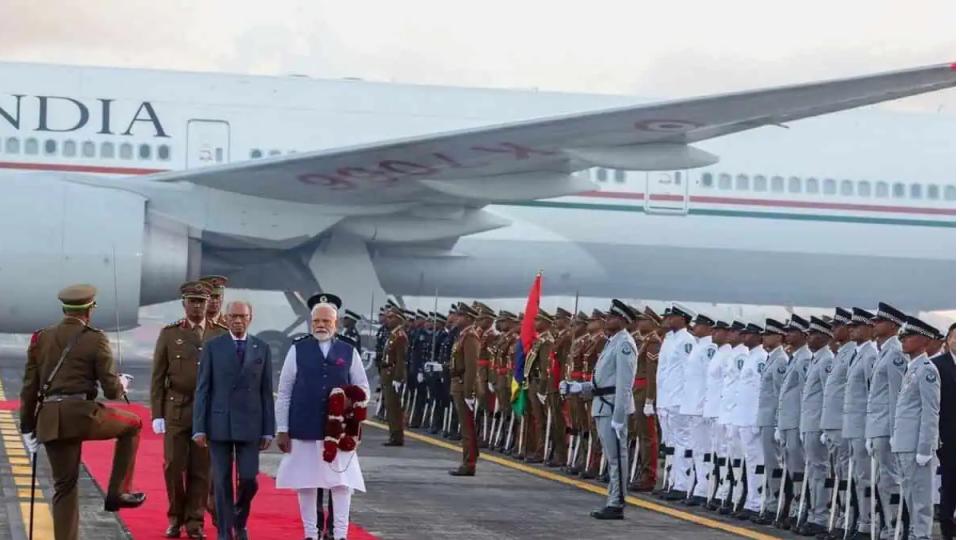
x: 619, y: 428
x: 923, y: 460
x: 755, y: 430
x: 542, y: 397
x: 777, y: 436
x: 159, y: 426
x: 419, y: 377
x: 490, y: 387
x: 824, y: 439
x: 125, y: 381
x: 648, y: 408
x: 801, y: 437
x: 397, y: 385
x: 869, y: 444
x: 471, y: 403
x: 30, y: 442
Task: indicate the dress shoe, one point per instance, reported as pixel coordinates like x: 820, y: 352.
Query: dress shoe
x: 604, y: 478
x: 534, y: 460
x: 725, y: 510
x: 240, y: 534
x: 763, y: 519
x: 587, y: 475
x: 640, y: 487
x: 196, y: 534
x: 694, y: 501
x: 607, y: 512
x: 173, y: 531
x: 783, y: 523
x: 744, y: 514
x: 455, y: 437
x: 124, y: 500
x: 811, y: 529
x: 393, y: 443
x: 462, y: 471
x: 554, y: 464
x: 675, y: 495
x: 573, y: 471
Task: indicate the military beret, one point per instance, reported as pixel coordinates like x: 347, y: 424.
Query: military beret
x: 216, y: 283
x: 797, y: 323
x: 562, y: 314
x: 325, y: 298
x: 752, y: 329
x: 195, y: 289
x: 619, y: 309
x: 78, y: 297
x: 704, y: 320
x: 914, y: 326
x: 841, y: 316
x: 683, y: 311
x: 886, y: 312
x: 860, y: 316
x: 819, y: 325
x: 351, y: 315
x: 773, y: 326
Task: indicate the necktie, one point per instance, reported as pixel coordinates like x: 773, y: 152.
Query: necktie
x: 241, y: 349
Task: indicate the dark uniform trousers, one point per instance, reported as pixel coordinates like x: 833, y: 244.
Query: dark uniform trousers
x: 64, y: 455
x: 186, y: 471
x: 467, y: 428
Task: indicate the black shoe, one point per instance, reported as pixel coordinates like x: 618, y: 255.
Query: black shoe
x: 573, y: 471
x: 811, y: 529
x: 762, y: 519
x: 607, y: 512
x: 124, y: 500
x: 240, y: 534
x: 587, y: 475
x: 674, y: 496
x: 784, y: 523
x: 173, y: 531
x: 455, y: 437
x: 744, y: 515
x: 393, y: 443
x: 725, y: 510
x: 462, y: 471
x: 711, y: 505
x: 694, y: 501
x: 534, y: 460
x: 196, y: 534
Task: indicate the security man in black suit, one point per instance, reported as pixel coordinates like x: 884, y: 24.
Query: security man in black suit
x: 947, y: 453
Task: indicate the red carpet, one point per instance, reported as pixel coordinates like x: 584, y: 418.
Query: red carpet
x: 275, y: 513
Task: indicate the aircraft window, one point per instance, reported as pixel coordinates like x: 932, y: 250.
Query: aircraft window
x: 899, y: 190
x: 256, y: 153
x: 144, y: 151
x: 88, y: 149
x: 619, y: 176
x: 933, y: 191
x: 846, y: 188
x: 882, y: 191
x: 863, y: 188
x: 949, y: 193
x: 829, y: 186
x: 794, y: 184
x: 13, y: 145
x: 813, y: 185
x: 50, y: 147
x: 31, y: 147
x: 69, y: 148
x: 601, y: 175
x: 163, y: 152
x: 759, y: 183
x: 743, y: 182
x: 916, y: 191
x: 274, y: 152
x: 106, y: 150
x: 707, y: 180
x: 725, y: 181
x: 776, y: 184
x: 126, y: 151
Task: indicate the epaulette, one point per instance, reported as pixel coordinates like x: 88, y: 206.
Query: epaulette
x: 301, y: 338
x: 175, y: 324
x: 95, y: 329
x: 348, y: 340
x: 35, y: 337
x: 221, y: 325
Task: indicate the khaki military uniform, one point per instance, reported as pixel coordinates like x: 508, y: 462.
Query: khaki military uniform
x: 537, y: 367
x: 186, y: 466
x: 393, y: 368
x: 504, y: 368
x: 485, y: 371
x: 593, y: 348
x: 463, y: 380
x: 573, y: 371
x: 69, y: 414
x: 645, y: 427
x: 558, y: 425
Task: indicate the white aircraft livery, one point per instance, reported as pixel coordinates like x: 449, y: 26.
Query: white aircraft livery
x: 137, y: 180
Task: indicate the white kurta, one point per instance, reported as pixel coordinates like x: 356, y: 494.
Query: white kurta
x: 304, y: 466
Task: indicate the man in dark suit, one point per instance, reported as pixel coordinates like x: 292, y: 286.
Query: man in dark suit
x: 947, y: 366
x: 233, y: 413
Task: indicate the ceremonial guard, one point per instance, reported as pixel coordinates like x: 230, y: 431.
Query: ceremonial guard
x: 712, y: 407
x: 463, y: 376
x: 771, y: 381
x: 503, y: 367
x: 446, y: 358
x: 916, y: 428
x: 536, y: 367
x: 788, y: 417
x: 855, y: 414
x: 217, y: 286
x: 817, y: 460
x: 561, y: 349
x: 65, y: 364
x: 393, y: 373
x: 421, y: 344
x: 722, y: 442
x: 486, y: 374
x: 590, y: 466
x: 690, y: 411
x: 882, y: 395
x: 578, y: 422
x: 676, y: 349
x: 186, y: 466
x: 732, y: 371
x: 349, y: 332
x: 744, y: 420
x: 831, y: 417
x: 649, y: 333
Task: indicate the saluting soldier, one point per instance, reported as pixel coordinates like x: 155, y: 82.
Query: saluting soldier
x: 650, y: 334
x: 881, y: 405
x: 770, y: 383
x: 831, y: 422
x: 916, y: 427
x: 788, y: 416
x: 65, y: 363
x: 218, y: 286
x: 393, y: 373
x: 186, y: 466
x: 463, y: 380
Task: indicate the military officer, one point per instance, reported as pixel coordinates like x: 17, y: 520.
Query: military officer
x: 723, y: 445
x: 446, y: 359
x: 349, y: 332
x: 421, y: 347
x: 884, y: 388
x: 463, y: 387
x: 733, y: 370
x: 597, y: 329
x: 915, y: 428
x: 536, y: 367
x: 65, y: 363
x: 503, y: 351
x: 831, y: 417
x: 712, y: 405
x: 855, y: 413
x: 690, y: 411
x: 771, y: 381
x: 676, y: 349
x: 393, y: 373
x: 186, y: 466
x: 578, y: 422
x: 486, y: 374
x: 788, y: 416
x: 817, y: 460
x: 558, y: 426
x: 217, y: 285
x: 649, y: 333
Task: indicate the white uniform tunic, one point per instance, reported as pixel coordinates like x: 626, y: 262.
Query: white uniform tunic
x: 304, y: 466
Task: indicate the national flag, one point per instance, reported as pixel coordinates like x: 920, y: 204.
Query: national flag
x: 528, y: 334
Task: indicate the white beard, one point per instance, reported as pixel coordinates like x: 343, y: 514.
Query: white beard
x: 322, y: 337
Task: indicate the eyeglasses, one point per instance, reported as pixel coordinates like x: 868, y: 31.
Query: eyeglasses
x: 238, y: 315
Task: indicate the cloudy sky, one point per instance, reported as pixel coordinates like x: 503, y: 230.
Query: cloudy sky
x: 640, y: 47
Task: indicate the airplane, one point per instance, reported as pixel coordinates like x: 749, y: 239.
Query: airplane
x: 136, y: 180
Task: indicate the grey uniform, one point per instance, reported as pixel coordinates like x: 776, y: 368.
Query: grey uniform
x: 815, y: 451
x: 831, y: 418
x: 788, y: 418
x: 615, y: 369
x: 854, y: 426
x: 770, y: 383
x: 881, y: 407
x: 915, y: 433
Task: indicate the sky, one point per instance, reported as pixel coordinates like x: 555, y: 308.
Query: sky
x: 639, y: 47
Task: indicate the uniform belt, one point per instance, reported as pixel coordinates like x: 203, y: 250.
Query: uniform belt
x: 66, y: 397
x: 605, y: 391
x: 588, y: 377
x: 640, y: 382
x: 483, y: 363
x: 576, y: 375
x: 503, y: 371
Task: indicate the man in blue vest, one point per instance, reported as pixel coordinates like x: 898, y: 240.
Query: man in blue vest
x: 314, y: 366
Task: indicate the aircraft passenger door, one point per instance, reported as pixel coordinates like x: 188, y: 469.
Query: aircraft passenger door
x: 208, y: 143
x: 667, y: 192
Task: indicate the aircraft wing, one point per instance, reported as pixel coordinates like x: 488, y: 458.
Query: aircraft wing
x: 535, y: 158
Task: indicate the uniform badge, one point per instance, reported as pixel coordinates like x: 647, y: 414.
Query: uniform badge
x: 179, y: 341
x: 931, y: 377
x: 711, y: 352
x: 627, y: 349
x: 828, y: 368
x: 898, y: 360
x: 688, y: 347
x: 760, y: 367
x: 782, y: 370
x: 739, y: 363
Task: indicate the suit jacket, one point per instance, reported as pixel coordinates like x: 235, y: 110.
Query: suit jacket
x: 615, y: 368
x: 234, y: 402
x: 948, y: 400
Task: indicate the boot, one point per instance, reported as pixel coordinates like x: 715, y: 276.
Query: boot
x: 607, y: 512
